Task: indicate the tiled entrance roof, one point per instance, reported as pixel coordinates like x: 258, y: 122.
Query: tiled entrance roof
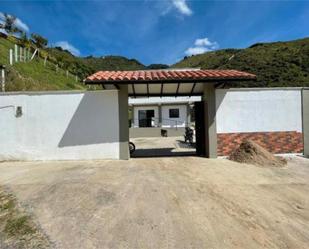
x: 167, y: 75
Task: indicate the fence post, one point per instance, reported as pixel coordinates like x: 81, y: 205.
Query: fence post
x: 25, y: 54
x: 45, y: 61
x: 57, y: 68
x: 75, y: 78
x: 67, y: 72
x: 16, y: 53
x: 20, y: 54
x: 11, y: 56
x: 35, y: 51
x: 3, y: 78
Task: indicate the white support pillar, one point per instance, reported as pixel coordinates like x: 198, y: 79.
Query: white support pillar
x: 209, y: 97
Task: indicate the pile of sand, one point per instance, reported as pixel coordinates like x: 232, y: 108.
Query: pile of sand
x: 252, y: 153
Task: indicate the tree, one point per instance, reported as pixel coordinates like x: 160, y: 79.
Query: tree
x: 9, y: 24
x: 39, y: 40
x: 24, y: 40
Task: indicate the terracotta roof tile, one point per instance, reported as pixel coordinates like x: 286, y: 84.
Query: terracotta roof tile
x: 168, y: 75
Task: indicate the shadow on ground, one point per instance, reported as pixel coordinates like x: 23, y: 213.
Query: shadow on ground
x: 161, y: 152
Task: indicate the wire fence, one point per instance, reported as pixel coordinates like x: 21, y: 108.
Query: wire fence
x: 26, y: 54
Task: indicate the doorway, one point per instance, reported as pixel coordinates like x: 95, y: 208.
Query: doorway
x: 146, y: 118
x: 165, y: 138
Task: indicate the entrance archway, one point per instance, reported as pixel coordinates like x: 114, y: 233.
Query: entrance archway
x: 171, y: 82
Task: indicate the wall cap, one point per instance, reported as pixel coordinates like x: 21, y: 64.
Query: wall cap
x: 263, y: 88
x: 51, y: 92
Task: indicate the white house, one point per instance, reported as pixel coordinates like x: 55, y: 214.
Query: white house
x: 165, y: 112
x: 172, y: 114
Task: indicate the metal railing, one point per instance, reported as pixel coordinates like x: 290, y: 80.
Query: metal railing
x: 156, y: 122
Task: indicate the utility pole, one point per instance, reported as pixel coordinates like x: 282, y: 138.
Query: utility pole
x: 2, y: 67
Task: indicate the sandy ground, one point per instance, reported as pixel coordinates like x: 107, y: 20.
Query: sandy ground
x: 185, y: 202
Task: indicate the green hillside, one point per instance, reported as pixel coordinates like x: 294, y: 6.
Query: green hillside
x: 113, y: 63
x: 33, y: 75
x: 275, y: 64
x: 70, y: 62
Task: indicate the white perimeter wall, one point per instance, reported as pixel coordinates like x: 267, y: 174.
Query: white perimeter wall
x: 171, y: 122
x: 66, y: 126
x: 258, y: 110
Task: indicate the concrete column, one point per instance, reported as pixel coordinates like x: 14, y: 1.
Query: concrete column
x: 209, y: 97
x: 305, y: 116
x: 160, y: 115
x: 123, y: 108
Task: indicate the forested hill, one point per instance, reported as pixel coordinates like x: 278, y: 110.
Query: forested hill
x: 275, y: 64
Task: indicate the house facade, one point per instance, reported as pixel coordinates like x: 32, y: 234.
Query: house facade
x: 149, y: 115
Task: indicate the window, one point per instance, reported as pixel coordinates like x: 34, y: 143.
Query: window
x: 174, y: 113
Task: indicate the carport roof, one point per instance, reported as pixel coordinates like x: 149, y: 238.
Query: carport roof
x: 173, y: 82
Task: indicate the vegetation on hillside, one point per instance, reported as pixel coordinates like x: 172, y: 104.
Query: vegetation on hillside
x: 113, y: 63
x: 33, y: 75
x: 70, y: 62
x: 157, y: 66
x: 275, y: 64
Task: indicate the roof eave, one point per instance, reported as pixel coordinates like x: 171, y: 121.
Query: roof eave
x: 170, y: 81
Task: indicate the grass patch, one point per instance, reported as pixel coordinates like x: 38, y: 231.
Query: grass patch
x: 7, y: 205
x: 18, y: 226
x: 17, y: 229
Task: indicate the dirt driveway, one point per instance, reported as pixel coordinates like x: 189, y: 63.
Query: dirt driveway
x: 184, y: 202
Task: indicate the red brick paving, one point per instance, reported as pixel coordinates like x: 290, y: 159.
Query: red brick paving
x: 275, y: 142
